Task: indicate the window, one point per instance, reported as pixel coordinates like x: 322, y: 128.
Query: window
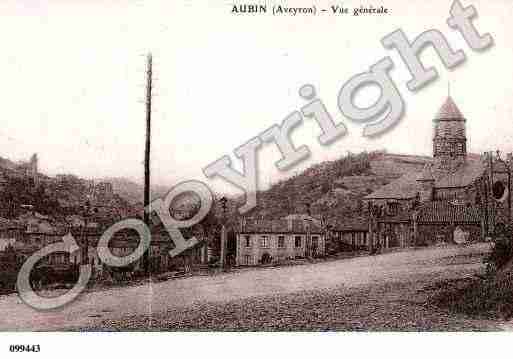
x: 247, y: 241
x: 281, y: 241
x: 297, y: 241
x: 315, y: 241
x: 264, y: 242
x: 392, y: 208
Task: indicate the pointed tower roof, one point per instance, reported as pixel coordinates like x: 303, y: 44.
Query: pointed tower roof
x: 449, y: 110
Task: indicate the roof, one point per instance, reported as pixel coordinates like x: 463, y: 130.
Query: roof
x: 463, y: 176
x: 33, y: 215
x: 407, y: 186
x: 446, y: 212
x: 303, y: 217
x: 437, y: 212
x: 279, y: 226
x: 449, y: 110
x: 357, y: 224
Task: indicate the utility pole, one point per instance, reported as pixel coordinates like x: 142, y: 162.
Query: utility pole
x: 222, y: 261
x: 85, y: 209
x: 147, y: 152
x: 371, y: 228
x: 490, y: 194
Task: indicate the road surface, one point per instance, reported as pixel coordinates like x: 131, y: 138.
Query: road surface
x: 157, y: 301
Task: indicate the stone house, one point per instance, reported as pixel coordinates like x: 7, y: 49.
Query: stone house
x: 348, y: 234
x: 275, y: 241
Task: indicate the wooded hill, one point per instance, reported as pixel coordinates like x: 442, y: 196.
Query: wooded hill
x: 335, y: 189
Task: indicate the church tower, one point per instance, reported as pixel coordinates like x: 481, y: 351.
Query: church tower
x: 449, y: 141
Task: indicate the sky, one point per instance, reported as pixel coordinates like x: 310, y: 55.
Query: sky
x: 72, y: 78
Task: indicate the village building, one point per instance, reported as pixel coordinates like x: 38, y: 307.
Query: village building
x: 347, y: 234
x: 37, y: 223
x: 10, y: 232
x: 25, y: 242
x: 275, y: 241
x: 75, y: 221
x: 448, y: 201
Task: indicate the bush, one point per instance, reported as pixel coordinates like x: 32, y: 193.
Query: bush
x: 499, y: 256
x: 502, y: 250
x: 488, y: 296
x: 491, y: 297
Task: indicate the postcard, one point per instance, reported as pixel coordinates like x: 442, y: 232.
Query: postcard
x: 300, y: 169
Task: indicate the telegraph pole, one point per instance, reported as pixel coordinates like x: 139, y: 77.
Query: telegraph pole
x: 147, y: 152
x: 490, y: 194
x: 222, y: 261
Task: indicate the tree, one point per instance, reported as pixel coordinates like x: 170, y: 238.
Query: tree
x: 9, y: 267
x: 502, y: 250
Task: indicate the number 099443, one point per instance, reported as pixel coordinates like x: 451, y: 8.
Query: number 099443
x: 20, y: 348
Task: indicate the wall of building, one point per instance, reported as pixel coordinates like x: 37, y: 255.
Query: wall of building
x: 399, y: 204
x: 395, y: 235
x: 252, y: 254
x: 358, y: 240
x: 430, y: 234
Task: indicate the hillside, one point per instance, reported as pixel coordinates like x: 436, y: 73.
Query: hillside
x: 335, y: 188
x: 132, y: 191
x: 6, y: 164
x: 56, y: 196
x: 332, y: 189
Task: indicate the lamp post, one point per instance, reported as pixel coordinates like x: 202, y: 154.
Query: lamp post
x: 86, y: 212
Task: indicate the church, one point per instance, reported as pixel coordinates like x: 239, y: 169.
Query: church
x: 458, y: 197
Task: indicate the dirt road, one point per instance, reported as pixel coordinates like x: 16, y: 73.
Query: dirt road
x: 336, y: 295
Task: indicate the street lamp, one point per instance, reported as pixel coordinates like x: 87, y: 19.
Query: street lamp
x: 86, y: 212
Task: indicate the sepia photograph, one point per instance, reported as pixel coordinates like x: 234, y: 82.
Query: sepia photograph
x: 273, y: 175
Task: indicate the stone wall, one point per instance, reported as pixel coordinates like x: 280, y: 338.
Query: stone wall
x: 431, y: 234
